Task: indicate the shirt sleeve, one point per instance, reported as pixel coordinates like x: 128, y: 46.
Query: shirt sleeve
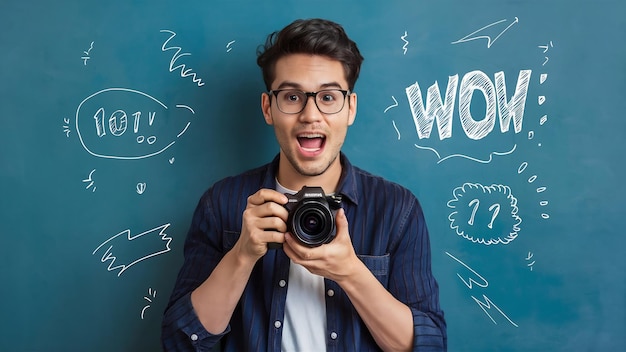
x: 181, y: 330
x: 413, y: 282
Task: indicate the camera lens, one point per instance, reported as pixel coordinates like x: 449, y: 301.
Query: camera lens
x: 312, y: 222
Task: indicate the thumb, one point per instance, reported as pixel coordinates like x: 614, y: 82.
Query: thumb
x: 341, y: 221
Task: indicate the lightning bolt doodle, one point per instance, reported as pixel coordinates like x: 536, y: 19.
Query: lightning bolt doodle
x: 484, y: 283
x: 155, y: 238
x: 406, y: 42
x: 488, y: 304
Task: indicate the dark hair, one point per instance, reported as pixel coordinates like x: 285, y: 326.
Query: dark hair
x: 311, y: 36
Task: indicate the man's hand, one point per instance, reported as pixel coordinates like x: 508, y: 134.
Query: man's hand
x: 264, y: 221
x: 335, y: 260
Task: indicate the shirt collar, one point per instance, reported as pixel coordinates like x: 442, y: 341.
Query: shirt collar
x: 347, y: 183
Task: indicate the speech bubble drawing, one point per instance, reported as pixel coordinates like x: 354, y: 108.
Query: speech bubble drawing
x: 484, y: 214
x: 122, y: 123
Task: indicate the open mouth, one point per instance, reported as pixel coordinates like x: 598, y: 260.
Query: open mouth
x: 311, y: 143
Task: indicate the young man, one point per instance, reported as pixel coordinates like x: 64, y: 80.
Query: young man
x: 369, y: 288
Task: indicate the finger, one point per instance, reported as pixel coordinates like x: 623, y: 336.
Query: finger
x: 273, y: 237
x: 265, y: 195
x: 341, y: 222
x: 272, y: 224
x: 297, y: 251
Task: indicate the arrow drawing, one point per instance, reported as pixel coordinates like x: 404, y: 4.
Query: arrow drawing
x: 473, y: 36
x: 151, y: 241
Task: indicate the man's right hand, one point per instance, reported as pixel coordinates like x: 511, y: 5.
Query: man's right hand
x: 264, y: 221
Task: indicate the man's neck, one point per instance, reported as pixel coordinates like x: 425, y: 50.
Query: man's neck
x: 290, y: 178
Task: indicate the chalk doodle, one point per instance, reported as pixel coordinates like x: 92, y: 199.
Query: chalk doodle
x: 435, y: 109
x: 184, y: 71
x: 151, y: 294
x: 149, y: 243
x: 469, y: 203
x: 476, y: 34
x: 87, y: 54
x: 103, y: 118
x: 66, y: 127
x: 90, y: 181
x: 475, y: 279
x: 545, y: 50
x: 228, y: 46
x: 395, y: 104
x: 406, y: 43
x: 528, y: 258
x: 482, y: 161
x: 539, y: 190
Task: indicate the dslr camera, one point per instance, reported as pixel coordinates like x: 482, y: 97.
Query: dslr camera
x: 312, y: 216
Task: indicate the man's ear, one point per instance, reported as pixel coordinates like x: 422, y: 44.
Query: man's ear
x: 352, y: 108
x: 266, y: 107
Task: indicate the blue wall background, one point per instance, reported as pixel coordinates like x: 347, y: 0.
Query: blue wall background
x: 525, y: 224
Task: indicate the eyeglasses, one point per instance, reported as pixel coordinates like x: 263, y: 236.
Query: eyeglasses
x: 293, y: 101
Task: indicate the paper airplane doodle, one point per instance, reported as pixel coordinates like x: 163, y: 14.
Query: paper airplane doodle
x: 476, y: 34
x: 149, y: 244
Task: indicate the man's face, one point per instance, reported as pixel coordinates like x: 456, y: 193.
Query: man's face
x: 310, y: 140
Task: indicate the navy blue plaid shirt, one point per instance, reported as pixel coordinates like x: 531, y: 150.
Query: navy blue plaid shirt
x: 388, y: 233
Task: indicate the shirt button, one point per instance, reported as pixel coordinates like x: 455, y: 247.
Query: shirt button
x: 277, y: 324
x: 333, y: 335
x: 282, y: 283
x: 330, y: 293
x: 193, y: 337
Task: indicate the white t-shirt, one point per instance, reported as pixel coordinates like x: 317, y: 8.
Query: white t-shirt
x: 304, y: 326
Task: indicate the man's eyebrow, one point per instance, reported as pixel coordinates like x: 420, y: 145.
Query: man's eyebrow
x: 294, y: 85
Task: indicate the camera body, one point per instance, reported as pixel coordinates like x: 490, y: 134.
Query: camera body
x: 312, y: 216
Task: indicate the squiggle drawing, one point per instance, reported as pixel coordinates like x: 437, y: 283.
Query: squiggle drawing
x: 483, y: 283
x: 440, y: 159
x: 155, y: 238
x: 406, y: 42
x: 490, y: 42
x: 184, y: 71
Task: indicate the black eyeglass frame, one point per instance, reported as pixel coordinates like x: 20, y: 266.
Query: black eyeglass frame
x: 306, y: 101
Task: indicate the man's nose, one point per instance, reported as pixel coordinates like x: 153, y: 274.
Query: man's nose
x: 311, y: 112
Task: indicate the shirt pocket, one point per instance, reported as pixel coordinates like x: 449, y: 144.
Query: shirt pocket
x: 229, y: 240
x: 378, y: 265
